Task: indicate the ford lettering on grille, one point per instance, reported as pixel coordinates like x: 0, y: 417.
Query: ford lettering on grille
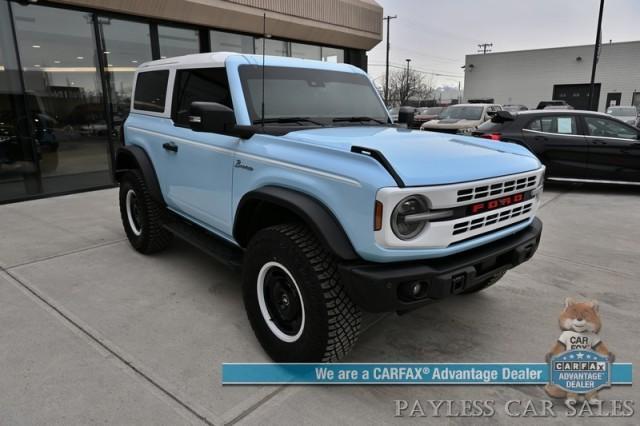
x: 497, y: 203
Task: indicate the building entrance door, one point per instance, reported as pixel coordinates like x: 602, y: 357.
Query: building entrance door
x: 613, y: 99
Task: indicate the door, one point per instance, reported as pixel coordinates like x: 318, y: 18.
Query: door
x: 199, y: 165
x: 577, y: 95
x: 614, y: 149
x: 556, y: 141
x: 613, y: 99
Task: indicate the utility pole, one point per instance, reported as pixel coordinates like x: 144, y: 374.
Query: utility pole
x: 386, y: 74
x: 484, y: 48
x: 596, y: 52
x: 408, y: 60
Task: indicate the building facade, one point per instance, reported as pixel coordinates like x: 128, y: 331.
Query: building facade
x: 66, y: 70
x: 530, y: 76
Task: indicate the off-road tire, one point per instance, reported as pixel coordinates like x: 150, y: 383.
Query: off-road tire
x: 152, y: 236
x: 486, y: 284
x: 331, y: 321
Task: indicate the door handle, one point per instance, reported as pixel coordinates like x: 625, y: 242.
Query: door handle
x: 170, y: 146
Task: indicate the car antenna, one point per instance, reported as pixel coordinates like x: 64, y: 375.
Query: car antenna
x: 264, y: 37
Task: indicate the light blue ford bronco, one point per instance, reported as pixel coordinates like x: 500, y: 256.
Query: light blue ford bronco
x: 293, y: 172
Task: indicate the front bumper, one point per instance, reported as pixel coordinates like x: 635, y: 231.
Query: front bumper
x: 381, y: 287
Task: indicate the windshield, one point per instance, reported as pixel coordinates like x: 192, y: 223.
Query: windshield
x: 432, y: 111
x: 312, y: 94
x: 462, y: 113
x: 622, y: 112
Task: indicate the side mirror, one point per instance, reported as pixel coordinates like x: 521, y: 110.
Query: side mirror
x: 211, y: 117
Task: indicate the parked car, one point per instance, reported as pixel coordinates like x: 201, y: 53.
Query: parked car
x: 326, y: 207
x: 628, y: 114
x: 572, y: 144
x: 514, y: 108
x: 461, y: 118
x: 557, y: 107
x: 544, y: 104
x: 425, y: 114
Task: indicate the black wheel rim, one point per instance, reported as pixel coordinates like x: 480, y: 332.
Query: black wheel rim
x: 283, y: 301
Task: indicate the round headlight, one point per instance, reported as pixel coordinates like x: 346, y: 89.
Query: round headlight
x: 411, y: 205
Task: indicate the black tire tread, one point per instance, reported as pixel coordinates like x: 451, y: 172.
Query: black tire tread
x: 157, y: 237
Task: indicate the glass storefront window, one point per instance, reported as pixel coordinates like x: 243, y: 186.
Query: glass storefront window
x: 305, y: 51
x: 177, y: 41
x: 273, y: 47
x: 330, y: 54
x: 127, y: 44
x: 57, y: 51
x: 18, y: 171
x: 229, y: 42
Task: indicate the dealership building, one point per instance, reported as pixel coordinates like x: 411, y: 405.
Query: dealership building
x: 530, y: 76
x: 66, y: 70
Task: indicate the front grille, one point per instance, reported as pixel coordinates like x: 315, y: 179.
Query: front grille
x: 491, y: 219
x: 483, y: 191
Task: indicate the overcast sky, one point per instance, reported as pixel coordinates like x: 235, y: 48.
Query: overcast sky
x: 437, y: 34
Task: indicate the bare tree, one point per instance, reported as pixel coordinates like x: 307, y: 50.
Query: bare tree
x: 415, y: 87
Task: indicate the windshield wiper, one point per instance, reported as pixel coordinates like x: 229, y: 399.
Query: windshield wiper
x: 283, y: 120
x: 353, y: 119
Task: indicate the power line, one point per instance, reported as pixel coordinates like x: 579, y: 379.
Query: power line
x: 439, y: 74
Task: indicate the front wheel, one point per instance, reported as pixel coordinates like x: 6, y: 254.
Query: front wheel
x: 295, y: 302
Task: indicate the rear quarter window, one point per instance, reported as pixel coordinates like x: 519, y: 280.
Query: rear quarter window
x: 151, y: 91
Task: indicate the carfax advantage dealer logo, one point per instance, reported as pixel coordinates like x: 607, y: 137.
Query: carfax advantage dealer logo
x: 580, y: 371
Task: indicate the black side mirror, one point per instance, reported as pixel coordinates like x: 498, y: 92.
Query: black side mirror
x: 211, y: 117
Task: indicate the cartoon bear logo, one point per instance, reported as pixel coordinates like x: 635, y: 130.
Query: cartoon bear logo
x: 580, y: 324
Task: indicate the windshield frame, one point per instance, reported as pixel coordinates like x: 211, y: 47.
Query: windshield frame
x: 247, y: 72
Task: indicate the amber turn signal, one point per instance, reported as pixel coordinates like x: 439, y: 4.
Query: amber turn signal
x: 377, y: 217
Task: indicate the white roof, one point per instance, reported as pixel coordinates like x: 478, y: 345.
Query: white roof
x: 213, y: 59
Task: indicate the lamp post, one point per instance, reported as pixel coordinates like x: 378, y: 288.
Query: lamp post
x: 596, y: 49
x: 407, y: 92
x: 386, y: 74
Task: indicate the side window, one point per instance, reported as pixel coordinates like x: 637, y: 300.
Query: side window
x: 151, y: 91
x: 552, y: 124
x: 534, y: 125
x: 198, y: 85
x: 607, y: 128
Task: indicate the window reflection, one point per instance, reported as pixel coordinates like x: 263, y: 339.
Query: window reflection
x: 18, y: 172
x: 229, y: 42
x: 330, y: 54
x: 63, y: 96
x: 177, y: 41
x: 305, y: 51
x: 273, y: 47
x: 127, y: 45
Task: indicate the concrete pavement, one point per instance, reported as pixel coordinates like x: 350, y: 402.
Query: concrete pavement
x: 93, y: 332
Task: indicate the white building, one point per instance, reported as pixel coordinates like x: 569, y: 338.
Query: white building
x: 530, y: 76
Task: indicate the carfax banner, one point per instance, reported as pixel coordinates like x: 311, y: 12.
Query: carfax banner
x: 575, y: 375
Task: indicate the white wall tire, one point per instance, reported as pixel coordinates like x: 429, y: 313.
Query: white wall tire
x: 268, y: 313
x: 131, y: 201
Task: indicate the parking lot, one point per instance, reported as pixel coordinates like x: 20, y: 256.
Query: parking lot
x: 92, y: 331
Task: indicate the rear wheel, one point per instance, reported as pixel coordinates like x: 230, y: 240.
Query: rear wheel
x: 142, y: 216
x: 485, y: 284
x: 295, y: 302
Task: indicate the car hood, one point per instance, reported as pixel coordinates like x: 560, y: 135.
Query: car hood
x: 426, y: 158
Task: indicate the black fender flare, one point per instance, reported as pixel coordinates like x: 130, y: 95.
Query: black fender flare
x: 313, y: 213
x: 134, y: 157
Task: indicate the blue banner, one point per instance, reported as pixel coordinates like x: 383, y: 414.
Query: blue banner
x: 409, y: 373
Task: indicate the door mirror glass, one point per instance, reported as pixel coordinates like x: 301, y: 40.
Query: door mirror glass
x: 211, y: 117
